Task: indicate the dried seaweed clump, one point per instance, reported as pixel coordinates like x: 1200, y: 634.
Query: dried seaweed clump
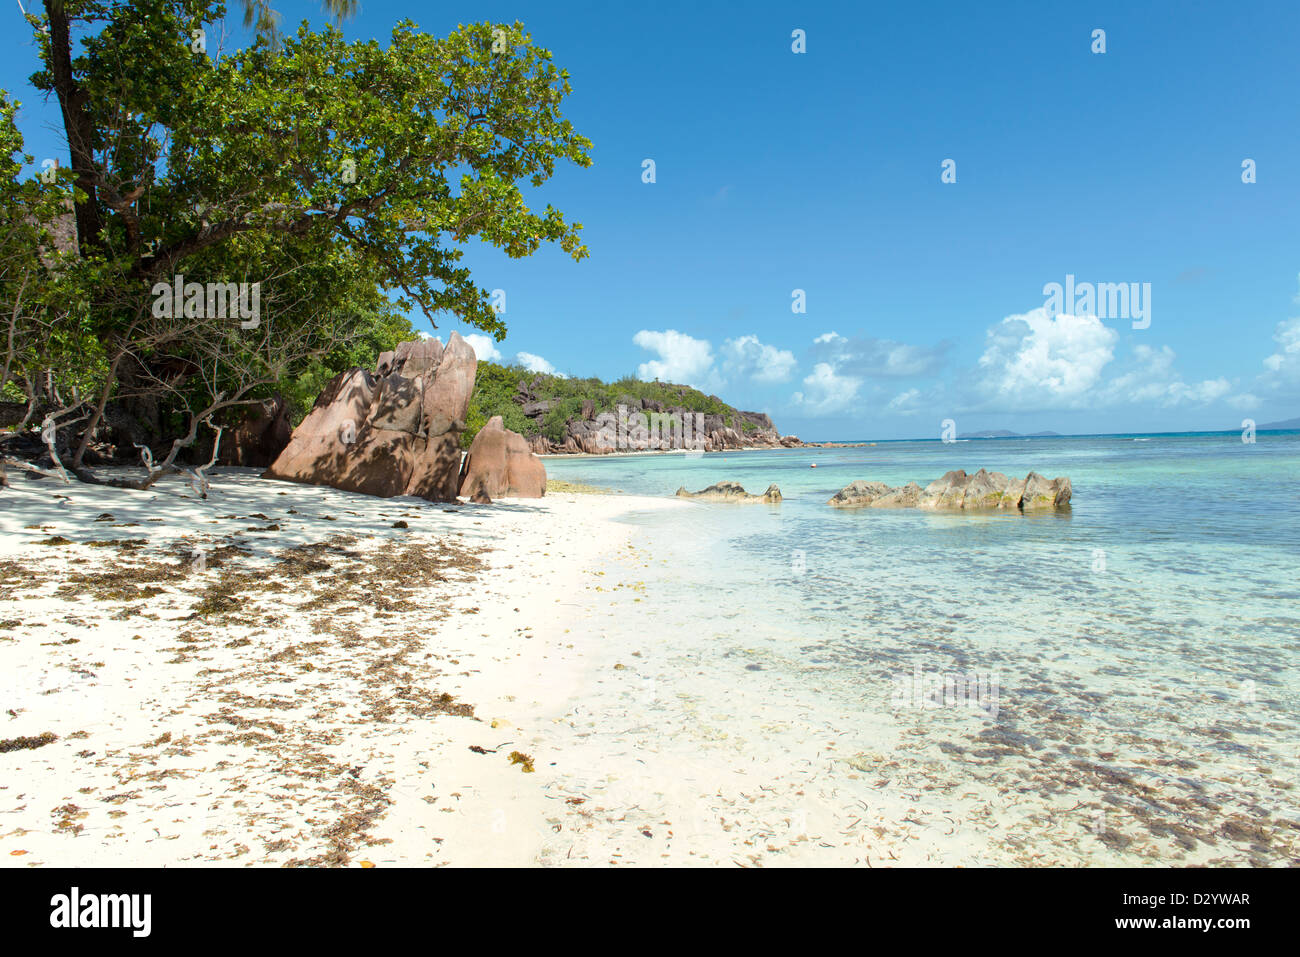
x: 20, y: 744
x: 518, y: 757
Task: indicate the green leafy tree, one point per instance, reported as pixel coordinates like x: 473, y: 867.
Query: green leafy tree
x: 381, y: 330
x: 384, y: 160
x: 48, y: 356
x: 261, y: 16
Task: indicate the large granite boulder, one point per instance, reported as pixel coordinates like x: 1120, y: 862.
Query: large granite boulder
x: 396, y: 432
x: 732, y: 492
x: 500, y: 464
x: 957, y: 490
x: 258, y: 436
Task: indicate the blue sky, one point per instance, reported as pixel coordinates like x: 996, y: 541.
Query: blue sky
x: 821, y: 171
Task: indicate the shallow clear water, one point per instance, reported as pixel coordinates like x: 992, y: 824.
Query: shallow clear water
x: 1145, y: 643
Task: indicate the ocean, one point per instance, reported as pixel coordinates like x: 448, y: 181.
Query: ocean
x: 1114, y: 683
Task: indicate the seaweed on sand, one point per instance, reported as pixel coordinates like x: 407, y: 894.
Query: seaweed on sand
x: 24, y: 744
x: 518, y: 757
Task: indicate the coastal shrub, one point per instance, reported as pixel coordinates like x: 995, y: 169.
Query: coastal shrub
x: 553, y: 423
x: 494, y: 394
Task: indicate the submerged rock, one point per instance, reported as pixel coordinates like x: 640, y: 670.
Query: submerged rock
x: 906, y: 497
x: 858, y: 494
x: 957, y: 490
x: 731, y: 492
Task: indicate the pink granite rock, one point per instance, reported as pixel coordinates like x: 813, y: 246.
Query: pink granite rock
x: 396, y: 432
x: 501, y: 464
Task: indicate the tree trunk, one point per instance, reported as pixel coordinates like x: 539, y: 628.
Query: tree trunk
x: 96, y: 415
x: 76, y: 125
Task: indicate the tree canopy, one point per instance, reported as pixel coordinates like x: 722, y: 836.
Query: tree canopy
x: 344, y: 178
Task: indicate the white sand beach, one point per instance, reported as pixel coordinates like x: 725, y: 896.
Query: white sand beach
x: 325, y: 687
x: 282, y: 698
x: 312, y: 689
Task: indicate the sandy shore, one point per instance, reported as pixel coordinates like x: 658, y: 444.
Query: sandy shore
x: 279, y: 674
x: 290, y: 675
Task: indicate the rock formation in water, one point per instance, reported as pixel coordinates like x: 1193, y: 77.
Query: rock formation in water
x: 983, y: 490
x: 732, y: 492
x: 500, y: 465
x: 396, y: 432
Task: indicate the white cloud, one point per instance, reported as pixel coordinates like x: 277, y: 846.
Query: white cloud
x: 1032, y: 361
x: 1286, y: 361
x: 1281, y: 376
x: 534, y: 363
x: 690, y: 361
x: 1154, y: 382
x: 747, y: 356
x: 827, y: 391
x: 872, y: 358
x: 844, y: 365
x: 1201, y: 393
x: 682, y: 359
x: 905, y: 403
x: 484, y: 347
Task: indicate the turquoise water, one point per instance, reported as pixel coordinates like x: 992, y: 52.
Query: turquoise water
x: 1145, y: 644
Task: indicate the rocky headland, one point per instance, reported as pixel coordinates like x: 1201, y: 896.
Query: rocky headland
x: 648, y: 425
x: 558, y: 415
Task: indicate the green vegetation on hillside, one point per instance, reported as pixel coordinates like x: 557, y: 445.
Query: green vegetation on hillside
x: 496, y: 392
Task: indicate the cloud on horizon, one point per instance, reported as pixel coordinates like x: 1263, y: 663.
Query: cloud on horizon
x: 535, y: 363
x: 827, y: 391
x: 1031, y: 362
x: 867, y: 357
x: 484, y: 347
x: 682, y: 358
x: 691, y: 361
x: 1034, y: 360
x: 749, y: 358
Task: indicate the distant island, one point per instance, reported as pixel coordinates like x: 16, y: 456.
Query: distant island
x: 1284, y: 424
x: 1006, y: 434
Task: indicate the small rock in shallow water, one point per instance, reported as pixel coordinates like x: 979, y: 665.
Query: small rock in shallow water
x: 731, y: 492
